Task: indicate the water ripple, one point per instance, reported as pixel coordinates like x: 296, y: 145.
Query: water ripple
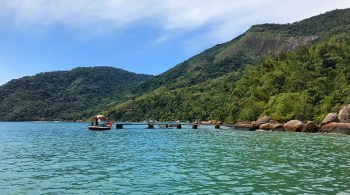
x: 66, y: 158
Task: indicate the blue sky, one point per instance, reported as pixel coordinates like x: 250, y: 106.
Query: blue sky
x: 145, y: 36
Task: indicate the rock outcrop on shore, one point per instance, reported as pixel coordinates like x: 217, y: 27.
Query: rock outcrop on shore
x: 336, y: 128
x: 331, y: 117
x: 247, y: 126
x: 344, y: 114
x: 332, y: 123
x: 263, y: 120
x: 272, y: 126
x: 310, y: 127
x: 294, y: 126
x: 337, y: 123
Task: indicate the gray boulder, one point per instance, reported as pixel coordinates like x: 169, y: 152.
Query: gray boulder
x: 266, y: 126
x: 331, y: 117
x: 263, y: 120
x: 344, y: 114
x: 294, y: 126
x: 310, y: 127
x: 272, y: 126
x: 246, y: 126
x: 336, y: 128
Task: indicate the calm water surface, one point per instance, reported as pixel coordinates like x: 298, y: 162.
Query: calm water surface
x: 66, y: 158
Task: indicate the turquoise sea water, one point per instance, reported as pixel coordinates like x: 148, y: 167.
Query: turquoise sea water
x: 66, y: 158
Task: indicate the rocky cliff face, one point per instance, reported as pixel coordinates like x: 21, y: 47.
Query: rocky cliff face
x: 257, y: 44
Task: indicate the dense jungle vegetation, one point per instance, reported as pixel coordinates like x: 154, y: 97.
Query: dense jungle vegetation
x: 304, y: 84
x: 65, y: 95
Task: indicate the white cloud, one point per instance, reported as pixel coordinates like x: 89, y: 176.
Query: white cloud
x: 162, y: 39
x: 222, y: 19
x: 195, y: 13
x: 77, y: 13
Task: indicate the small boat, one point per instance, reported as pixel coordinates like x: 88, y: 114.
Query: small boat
x: 100, y: 123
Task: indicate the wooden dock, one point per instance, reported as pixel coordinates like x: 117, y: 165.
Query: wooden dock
x: 151, y: 125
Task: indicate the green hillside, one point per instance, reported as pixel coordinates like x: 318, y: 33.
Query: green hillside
x: 266, y: 70
x: 65, y: 95
x: 306, y: 84
x: 207, y: 100
x: 201, y: 88
x: 249, y: 48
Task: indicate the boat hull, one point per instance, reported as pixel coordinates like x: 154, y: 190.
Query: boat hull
x: 98, y: 128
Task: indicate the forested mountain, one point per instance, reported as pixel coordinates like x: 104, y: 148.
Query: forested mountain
x: 306, y: 84
x: 66, y: 95
x: 204, y: 87
x: 297, y: 70
x: 249, y: 48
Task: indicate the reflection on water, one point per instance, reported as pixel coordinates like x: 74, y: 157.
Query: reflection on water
x: 66, y: 158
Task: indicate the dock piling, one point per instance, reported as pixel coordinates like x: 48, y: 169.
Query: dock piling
x: 150, y: 126
x: 119, y: 126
